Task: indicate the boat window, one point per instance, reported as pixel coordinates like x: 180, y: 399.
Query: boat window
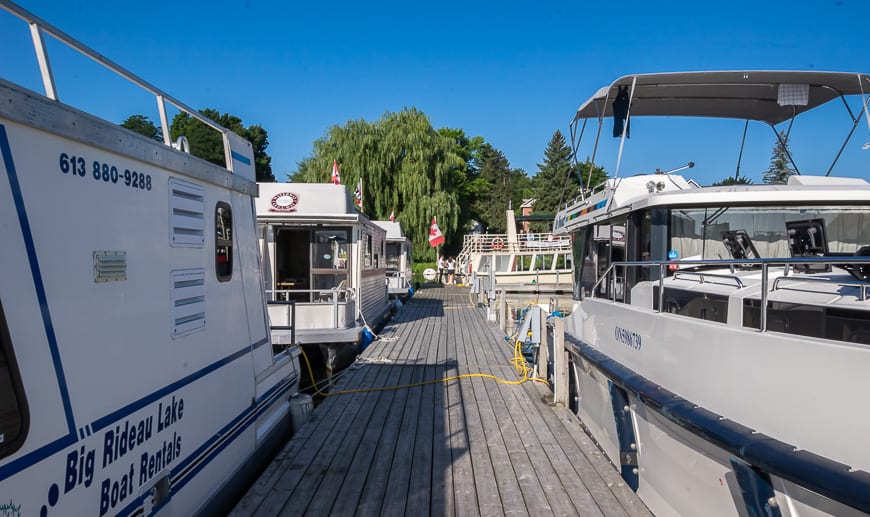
x: 330, y: 261
x: 223, y: 242
x: 584, y: 268
x: 393, y: 252
x: 837, y: 323
x: 14, y: 414
x: 330, y: 249
x: 703, y: 233
x: 368, y: 251
x: 694, y: 304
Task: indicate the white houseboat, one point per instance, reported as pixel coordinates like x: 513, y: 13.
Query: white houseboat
x: 137, y: 376
x: 398, y: 259
x: 720, y: 357
x: 322, y: 253
x: 518, y: 261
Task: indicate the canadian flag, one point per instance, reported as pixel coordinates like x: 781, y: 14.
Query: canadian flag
x: 436, y: 238
x: 393, y: 215
x: 336, y: 179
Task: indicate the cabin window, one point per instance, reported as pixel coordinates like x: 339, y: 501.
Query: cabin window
x: 368, y: 250
x: 836, y: 323
x: 703, y: 306
x: 393, y: 251
x: 14, y: 414
x: 330, y: 260
x: 700, y: 232
x: 223, y: 242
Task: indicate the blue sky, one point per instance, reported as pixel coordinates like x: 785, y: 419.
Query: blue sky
x: 512, y: 72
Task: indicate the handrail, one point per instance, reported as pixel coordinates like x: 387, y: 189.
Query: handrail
x: 765, y: 264
x: 712, y: 275
x: 861, y: 286
x: 38, y: 27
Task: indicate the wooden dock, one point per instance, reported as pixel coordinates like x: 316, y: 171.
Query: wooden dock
x: 469, y: 446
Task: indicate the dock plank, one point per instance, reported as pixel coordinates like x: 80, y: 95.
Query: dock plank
x: 464, y: 446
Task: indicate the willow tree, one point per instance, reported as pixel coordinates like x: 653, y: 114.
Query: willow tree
x: 406, y: 166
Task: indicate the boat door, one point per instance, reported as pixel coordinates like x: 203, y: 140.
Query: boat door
x: 609, y: 247
x: 293, y: 261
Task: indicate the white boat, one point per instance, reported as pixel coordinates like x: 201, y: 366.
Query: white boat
x: 721, y: 343
x: 137, y: 376
x: 322, y: 253
x: 398, y: 259
x: 517, y: 262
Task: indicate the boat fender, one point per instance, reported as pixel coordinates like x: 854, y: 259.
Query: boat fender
x: 366, y: 339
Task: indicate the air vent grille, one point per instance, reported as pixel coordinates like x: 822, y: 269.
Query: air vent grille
x: 186, y: 214
x: 188, y: 301
x: 110, y: 266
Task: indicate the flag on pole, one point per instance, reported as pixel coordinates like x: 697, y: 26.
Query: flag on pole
x: 393, y: 215
x: 357, y: 194
x: 336, y: 179
x: 435, y: 236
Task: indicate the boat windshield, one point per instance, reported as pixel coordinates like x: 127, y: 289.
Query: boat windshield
x: 773, y: 232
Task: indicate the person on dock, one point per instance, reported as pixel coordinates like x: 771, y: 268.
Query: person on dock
x: 442, y: 268
x: 451, y: 270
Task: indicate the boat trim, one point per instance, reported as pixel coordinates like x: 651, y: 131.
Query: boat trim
x: 826, y: 477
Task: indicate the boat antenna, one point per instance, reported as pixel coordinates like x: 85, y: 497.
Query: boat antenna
x: 740, y: 156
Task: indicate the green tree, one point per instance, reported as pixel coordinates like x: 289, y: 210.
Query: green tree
x: 143, y: 125
x: 206, y: 143
x: 558, y: 180
x: 406, y: 166
x: 779, y: 169
x: 467, y: 179
x: 731, y: 180
x: 506, y: 187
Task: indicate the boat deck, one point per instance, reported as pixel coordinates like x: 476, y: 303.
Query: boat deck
x: 469, y: 446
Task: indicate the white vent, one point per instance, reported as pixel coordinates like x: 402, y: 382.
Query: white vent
x: 186, y: 214
x: 188, y: 301
x: 110, y: 266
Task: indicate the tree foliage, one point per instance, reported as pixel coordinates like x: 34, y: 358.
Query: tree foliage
x: 406, y: 166
x: 559, y: 180
x: 143, y: 125
x: 731, y: 180
x: 206, y: 143
x: 505, y: 187
x: 779, y: 169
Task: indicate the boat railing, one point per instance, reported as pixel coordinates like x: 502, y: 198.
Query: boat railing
x: 291, y: 321
x: 702, y: 277
x: 862, y: 287
x: 39, y: 28
x: 525, y: 242
x: 610, y: 274
x: 335, y: 298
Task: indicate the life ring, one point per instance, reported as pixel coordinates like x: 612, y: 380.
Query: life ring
x: 497, y: 243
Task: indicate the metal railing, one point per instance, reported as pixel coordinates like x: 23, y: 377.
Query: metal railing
x: 610, y: 275
x: 325, y: 297
x: 292, y: 326
x: 38, y: 29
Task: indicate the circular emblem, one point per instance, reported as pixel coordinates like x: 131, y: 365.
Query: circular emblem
x: 673, y: 255
x: 285, y: 202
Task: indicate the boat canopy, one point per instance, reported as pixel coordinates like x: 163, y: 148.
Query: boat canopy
x: 764, y: 95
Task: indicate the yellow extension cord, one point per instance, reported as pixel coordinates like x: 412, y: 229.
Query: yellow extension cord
x: 518, y: 361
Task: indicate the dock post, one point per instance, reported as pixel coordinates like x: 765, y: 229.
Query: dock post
x: 560, y: 363
x: 503, y: 311
x: 543, y: 363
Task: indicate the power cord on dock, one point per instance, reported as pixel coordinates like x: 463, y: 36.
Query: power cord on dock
x: 518, y: 360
